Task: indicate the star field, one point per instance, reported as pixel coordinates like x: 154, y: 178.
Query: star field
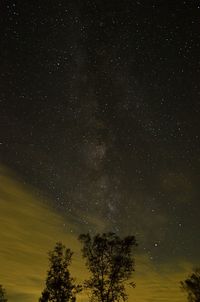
x: 100, y: 113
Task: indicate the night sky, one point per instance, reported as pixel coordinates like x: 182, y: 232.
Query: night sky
x: 99, y: 129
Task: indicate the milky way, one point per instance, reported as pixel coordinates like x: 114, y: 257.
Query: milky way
x: 100, y: 114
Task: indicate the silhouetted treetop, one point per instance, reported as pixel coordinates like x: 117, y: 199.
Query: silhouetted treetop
x: 110, y: 261
x: 60, y: 286
x: 2, y: 294
x: 192, y: 286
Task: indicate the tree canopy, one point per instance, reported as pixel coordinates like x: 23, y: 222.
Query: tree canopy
x: 2, y: 294
x: 192, y: 286
x: 110, y: 262
x: 60, y: 286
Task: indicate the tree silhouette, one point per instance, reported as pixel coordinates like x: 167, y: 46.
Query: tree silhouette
x: 111, y: 264
x: 192, y: 286
x: 2, y: 294
x: 60, y: 286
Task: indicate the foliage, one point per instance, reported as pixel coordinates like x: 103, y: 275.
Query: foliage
x: 192, y: 286
x: 60, y: 286
x: 2, y: 294
x: 110, y: 262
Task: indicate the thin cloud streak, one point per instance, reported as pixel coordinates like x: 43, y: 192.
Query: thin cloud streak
x: 29, y: 229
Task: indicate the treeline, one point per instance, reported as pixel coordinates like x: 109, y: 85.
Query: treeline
x: 110, y: 262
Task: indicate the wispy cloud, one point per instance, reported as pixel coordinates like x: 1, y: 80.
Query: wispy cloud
x: 29, y: 228
x: 159, y: 283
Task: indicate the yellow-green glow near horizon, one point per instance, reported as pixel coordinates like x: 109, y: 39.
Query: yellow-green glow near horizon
x: 29, y: 229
